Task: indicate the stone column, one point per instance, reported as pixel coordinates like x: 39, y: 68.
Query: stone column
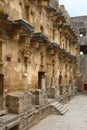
x: 52, y: 82
x: 43, y: 84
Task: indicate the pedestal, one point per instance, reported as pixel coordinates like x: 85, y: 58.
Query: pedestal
x: 39, y: 97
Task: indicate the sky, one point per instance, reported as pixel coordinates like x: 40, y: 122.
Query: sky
x: 75, y: 7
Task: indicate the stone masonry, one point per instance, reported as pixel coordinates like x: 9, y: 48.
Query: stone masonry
x: 79, y: 24
x: 39, y: 60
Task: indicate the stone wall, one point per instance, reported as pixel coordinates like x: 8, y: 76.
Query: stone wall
x: 79, y: 24
x: 38, y: 59
x: 24, y: 57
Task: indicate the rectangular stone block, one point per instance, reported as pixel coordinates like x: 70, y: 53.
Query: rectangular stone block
x: 18, y: 102
x: 52, y: 92
x: 39, y: 97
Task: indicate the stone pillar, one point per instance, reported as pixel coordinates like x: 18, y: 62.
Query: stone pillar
x: 43, y: 84
x: 52, y: 82
x: 70, y: 90
x: 52, y: 92
x: 39, y: 97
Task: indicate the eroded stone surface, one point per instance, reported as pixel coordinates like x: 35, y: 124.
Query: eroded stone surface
x: 38, y: 58
x: 79, y: 25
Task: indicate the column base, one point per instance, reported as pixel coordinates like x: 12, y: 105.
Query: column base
x: 52, y: 92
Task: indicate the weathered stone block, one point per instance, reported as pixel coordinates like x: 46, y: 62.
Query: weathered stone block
x: 9, y: 121
x: 18, y: 102
x: 39, y: 97
x: 52, y: 92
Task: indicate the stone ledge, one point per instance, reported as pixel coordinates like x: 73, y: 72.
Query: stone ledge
x: 9, y: 121
x: 3, y: 112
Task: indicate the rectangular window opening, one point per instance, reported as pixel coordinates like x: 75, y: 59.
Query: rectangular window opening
x: 82, y: 32
x: 83, y: 49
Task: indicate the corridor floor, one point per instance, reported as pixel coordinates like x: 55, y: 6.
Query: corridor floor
x: 74, y: 119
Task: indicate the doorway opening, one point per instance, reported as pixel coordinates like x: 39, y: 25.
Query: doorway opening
x: 60, y: 79
x: 85, y: 87
x: 60, y: 90
x: 1, y: 90
x: 41, y: 75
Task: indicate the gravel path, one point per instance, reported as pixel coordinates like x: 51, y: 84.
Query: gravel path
x: 74, y: 119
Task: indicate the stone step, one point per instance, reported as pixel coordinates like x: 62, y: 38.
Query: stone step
x: 54, y: 103
x: 64, y: 111
x: 58, y: 105
x: 59, y: 108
